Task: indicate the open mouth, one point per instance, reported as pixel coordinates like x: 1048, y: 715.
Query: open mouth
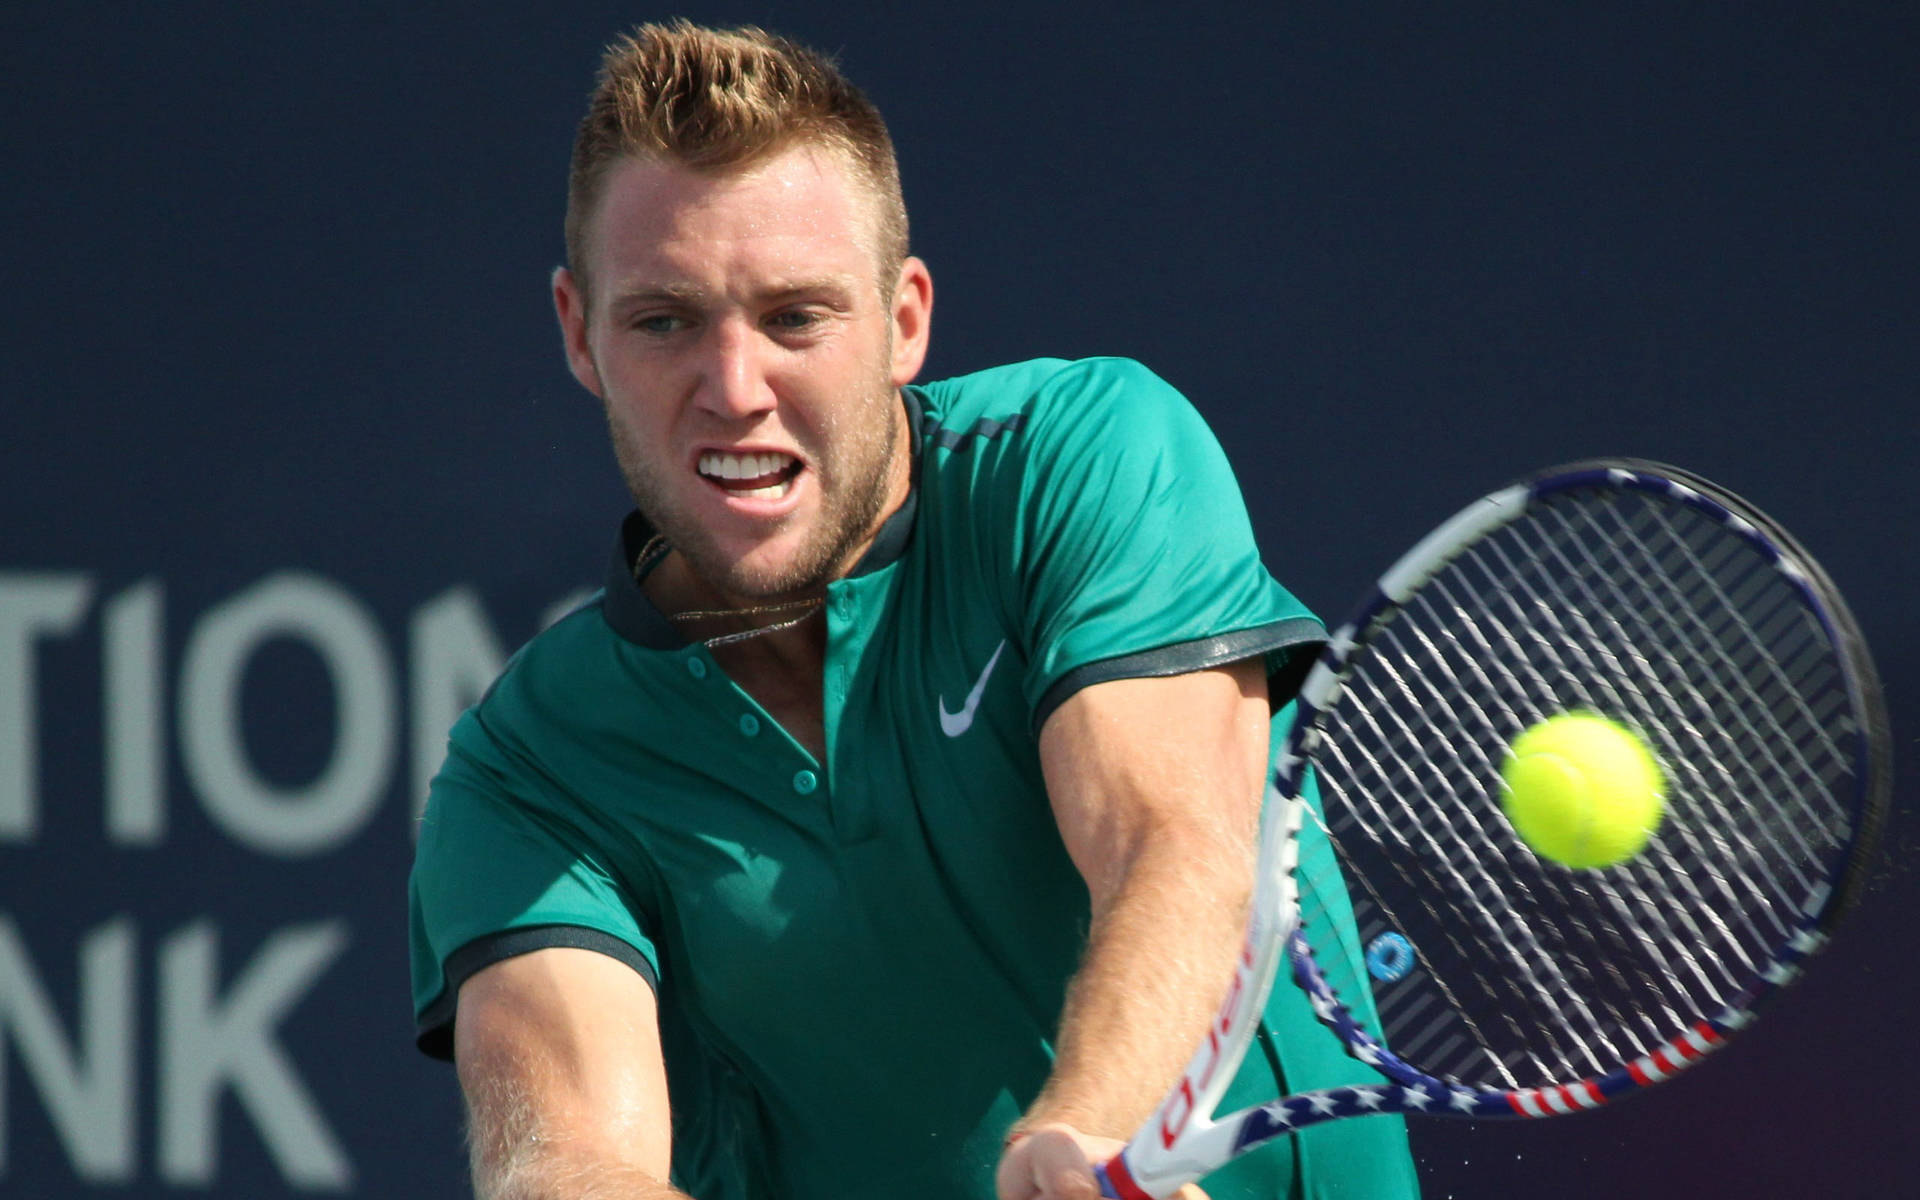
x: 766, y: 475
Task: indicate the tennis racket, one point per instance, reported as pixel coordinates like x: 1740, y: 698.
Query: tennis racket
x: 1478, y: 979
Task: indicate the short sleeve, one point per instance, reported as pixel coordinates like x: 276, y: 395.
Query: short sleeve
x: 1138, y: 557
x: 495, y: 875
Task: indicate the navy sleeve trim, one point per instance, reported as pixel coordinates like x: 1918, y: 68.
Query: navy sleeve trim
x: 433, y: 1029
x: 1290, y: 646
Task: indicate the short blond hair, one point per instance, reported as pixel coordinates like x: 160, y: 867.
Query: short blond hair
x: 718, y: 99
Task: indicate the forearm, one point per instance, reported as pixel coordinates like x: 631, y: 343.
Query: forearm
x: 523, y: 1150
x: 1158, y: 960
x: 547, y: 1176
x: 1156, y: 784
x: 563, y: 1079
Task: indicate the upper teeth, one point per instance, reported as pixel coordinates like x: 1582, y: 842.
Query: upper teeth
x: 742, y: 466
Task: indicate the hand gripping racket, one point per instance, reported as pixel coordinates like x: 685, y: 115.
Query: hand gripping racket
x: 1506, y: 985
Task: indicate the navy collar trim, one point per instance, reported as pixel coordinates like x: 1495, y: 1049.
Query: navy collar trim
x: 633, y: 616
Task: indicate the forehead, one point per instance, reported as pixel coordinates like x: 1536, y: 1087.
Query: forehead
x: 805, y: 203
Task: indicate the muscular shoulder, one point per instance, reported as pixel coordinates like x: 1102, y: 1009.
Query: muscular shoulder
x: 1049, y: 422
x: 1059, y: 427
x: 977, y: 405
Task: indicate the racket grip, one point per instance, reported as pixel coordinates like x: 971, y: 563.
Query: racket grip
x: 1116, y: 1179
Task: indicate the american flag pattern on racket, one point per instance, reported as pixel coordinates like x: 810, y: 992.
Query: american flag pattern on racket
x: 1508, y: 985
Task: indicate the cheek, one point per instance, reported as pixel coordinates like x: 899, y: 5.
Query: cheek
x: 636, y: 394
x: 624, y: 378
x: 638, y: 437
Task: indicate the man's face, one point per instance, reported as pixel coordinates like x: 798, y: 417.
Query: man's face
x: 749, y: 356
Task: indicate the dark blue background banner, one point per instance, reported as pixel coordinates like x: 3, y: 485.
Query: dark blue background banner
x: 289, y: 461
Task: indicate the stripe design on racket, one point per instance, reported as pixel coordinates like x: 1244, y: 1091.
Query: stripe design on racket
x: 1709, y: 557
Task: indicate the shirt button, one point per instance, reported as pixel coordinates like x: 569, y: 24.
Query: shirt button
x: 749, y: 724
x: 804, y: 782
x: 697, y: 667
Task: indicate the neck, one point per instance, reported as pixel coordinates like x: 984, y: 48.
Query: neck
x: 703, y: 613
x: 796, y: 654
x: 779, y: 661
x: 784, y: 671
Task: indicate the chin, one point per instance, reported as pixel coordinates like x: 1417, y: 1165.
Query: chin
x: 761, y: 576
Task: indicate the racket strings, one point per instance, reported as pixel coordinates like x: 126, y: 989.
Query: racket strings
x: 1544, y: 960
x: 1437, y: 850
x: 1544, y: 973
x: 1636, y: 606
x: 1650, y: 613
x: 1425, y: 1026
x: 1675, y: 713
x: 1490, y: 937
x: 1756, y: 632
x: 1727, y: 720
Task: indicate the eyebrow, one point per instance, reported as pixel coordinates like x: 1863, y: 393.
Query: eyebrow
x: 694, y: 295
x: 672, y: 293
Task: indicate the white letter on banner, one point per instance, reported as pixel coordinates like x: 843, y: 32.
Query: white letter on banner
x: 564, y: 606
x: 455, y: 655
x: 323, y: 814
x: 33, y: 604
x: 208, y: 1043
x: 132, y: 639
x: 87, y: 1091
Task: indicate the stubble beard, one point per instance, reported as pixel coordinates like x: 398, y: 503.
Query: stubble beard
x: 853, y: 487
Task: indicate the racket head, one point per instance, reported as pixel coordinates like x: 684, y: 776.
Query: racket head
x: 1509, y: 984
x: 1692, y: 614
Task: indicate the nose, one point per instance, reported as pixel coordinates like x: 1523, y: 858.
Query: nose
x: 733, y: 378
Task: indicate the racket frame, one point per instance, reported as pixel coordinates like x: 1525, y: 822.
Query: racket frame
x: 1183, y: 1140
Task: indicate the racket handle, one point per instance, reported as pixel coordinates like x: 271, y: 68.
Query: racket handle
x: 1116, y: 1179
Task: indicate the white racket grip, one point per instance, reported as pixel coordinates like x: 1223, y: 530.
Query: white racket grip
x: 1204, y: 1147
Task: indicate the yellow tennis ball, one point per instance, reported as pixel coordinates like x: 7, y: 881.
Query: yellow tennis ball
x: 1582, y: 790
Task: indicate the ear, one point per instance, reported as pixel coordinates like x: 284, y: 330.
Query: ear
x: 570, y: 305
x: 912, y: 319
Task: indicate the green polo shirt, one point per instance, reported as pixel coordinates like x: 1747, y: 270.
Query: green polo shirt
x: 860, y: 960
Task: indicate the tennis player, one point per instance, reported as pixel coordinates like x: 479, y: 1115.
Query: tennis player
x: 884, y: 829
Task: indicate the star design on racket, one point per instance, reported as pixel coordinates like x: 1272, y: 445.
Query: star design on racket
x: 1484, y: 582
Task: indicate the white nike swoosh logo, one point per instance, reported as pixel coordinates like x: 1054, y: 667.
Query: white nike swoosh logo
x: 955, y: 724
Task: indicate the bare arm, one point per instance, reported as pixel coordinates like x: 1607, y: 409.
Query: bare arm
x: 1156, y: 785
x: 558, y: 1054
